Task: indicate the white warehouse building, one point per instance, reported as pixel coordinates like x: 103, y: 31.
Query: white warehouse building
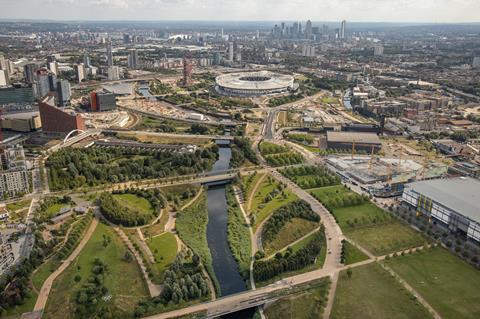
x: 453, y: 202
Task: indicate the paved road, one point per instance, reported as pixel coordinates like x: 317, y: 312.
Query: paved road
x: 47, y: 285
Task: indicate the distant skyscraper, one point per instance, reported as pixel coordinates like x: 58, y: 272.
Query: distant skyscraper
x: 187, y: 71
x: 308, y: 50
x: 308, y: 29
x: 230, y: 51
x: 113, y: 73
x: 80, y: 72
x: 476, y: 62
x: 378, y: 50
x: 86, y: 60
x: 126, y: 38
x: 63, y: 92
x: 133, y: 61
x: 52, y: 82
x: 109, y: 53
x: 29, y: 72
x: 343, y: 30
x: 3, y: 78
x: 52, y: 67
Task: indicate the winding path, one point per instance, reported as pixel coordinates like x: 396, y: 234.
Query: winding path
x: 47, y: 285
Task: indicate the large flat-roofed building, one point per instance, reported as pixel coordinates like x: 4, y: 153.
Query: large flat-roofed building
x: 350, y: 140
x: 21, y: 122
x: 453, y: 202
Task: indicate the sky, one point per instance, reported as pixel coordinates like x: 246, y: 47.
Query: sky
x: 431, y: 11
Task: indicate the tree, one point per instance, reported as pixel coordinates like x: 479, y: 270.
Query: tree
x: 349, y: 273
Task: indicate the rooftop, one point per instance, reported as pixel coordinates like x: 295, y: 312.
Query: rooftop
x: 460, y: 194
x: 349, y: 137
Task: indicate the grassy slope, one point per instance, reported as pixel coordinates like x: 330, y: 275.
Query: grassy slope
x: 164, y: 248
x: 292, y: 231
x: 124, y: 280
x: 309, y: 304
x: 191, y: 226
x: 134, y: 202
x: 450, y: 285
x: 372, y: 292
x: 353, y: 254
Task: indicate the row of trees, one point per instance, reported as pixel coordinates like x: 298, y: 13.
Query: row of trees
x: 268, y: 269
x: 284, y: 159
x: 343, y: 200
x: 74, y: 167
x: 297, y: 209
x: 311, y: 176
x: 302, y: 138
x: 241, y: 150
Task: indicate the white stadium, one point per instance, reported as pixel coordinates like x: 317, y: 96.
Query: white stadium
x: 254, y: 83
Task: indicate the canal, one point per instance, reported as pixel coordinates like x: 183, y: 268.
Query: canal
x: 224, y: 265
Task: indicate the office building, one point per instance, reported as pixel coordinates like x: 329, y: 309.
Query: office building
x: 343, y: 30
x: 63, y: 92
x: 308, y: 50
x: 349, y: 141
x: 43, y: 84
x: 113, y: 73
x: 3, y: 62
x: 102, y: 101
x: 133, y: 61
x: 230, y: 51
x: 21, y: 122
x: 86, y: 61
x: 80, y: 72
x: 3, y: 78
x: 109, y: 53
x: 451, y: 202
x: 308, y: 29
x: 29, y: 72
x: 14, y: 178
x: 476, y: 62
x: 52, y: 67
x: 378, y: 50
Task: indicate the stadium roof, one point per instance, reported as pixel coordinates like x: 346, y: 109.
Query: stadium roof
x: 460, y: 194
x: 350, y: 137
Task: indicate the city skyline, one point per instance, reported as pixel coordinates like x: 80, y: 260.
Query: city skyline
x: 406, y: 11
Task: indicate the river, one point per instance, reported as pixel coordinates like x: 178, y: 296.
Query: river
x: 224, y: 265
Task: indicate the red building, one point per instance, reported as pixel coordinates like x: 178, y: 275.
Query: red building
x: 56, y: 120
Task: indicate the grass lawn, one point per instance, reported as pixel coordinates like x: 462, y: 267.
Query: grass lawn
x: 53, y: 210
x: 263, y: 190
x: 372, y: 292
x: 134, y: 202
x: 273, y: 205
x: 306, y: 305
x: 368, y: 225
x: 290, y: 232
x: 386, y: 238
x: 250, y: 183
x: 43, y: 272
x: 164, y: 248
x: 17, y: 311
x: 19, y: 205
x: 124, y: 280
x: 449, y: 285
x: 353, y: 254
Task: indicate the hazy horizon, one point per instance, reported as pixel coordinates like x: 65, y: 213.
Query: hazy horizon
x: 369, y: 11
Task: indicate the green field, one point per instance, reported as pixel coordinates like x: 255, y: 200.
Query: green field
x: 290, y: 232
x: 447, y: 283
x: 134, y: 202
x: 249, y: 182
x: 372, y: 292
x: 306, y: 305
x: 124, y: 280
x: 353, y: 254
x: 53, y: 210
x: 387, y: 238
x: 368, y: 225
x: 19, y: 205
x: 164, y: 249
